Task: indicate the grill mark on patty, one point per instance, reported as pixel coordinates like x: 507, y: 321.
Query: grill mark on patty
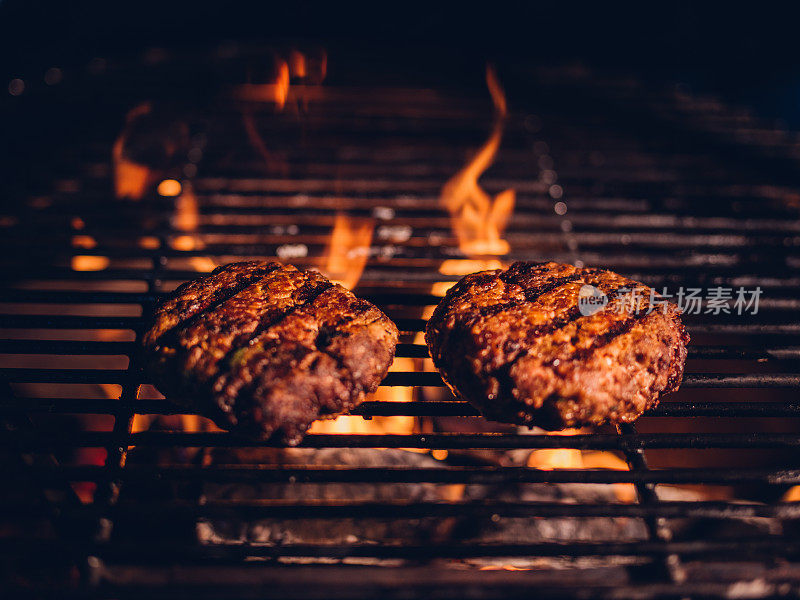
x: 521, y: 273
x: 327, y: 333
x: 503, y: 373
x: 573, y: 314
x: 604, y: 339
x: 609, y: 336
x: 218, y: 297
x: 332, y: 332
x: 307, y: 295
x: 521, y: 269
x: 466, y: 285
x: 256, y: 370
x: 221, y: 396
x: 530, y: 295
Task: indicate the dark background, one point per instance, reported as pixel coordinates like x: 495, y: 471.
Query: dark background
x: 748, y: 52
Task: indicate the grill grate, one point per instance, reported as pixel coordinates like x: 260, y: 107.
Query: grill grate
x: 672, y: 189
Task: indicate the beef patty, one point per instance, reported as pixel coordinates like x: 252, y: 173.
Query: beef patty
x: 536, y: 345
x: 264, y: 348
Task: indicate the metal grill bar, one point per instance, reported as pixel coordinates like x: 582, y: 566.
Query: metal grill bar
x: 444, y: 441
x: 385, y: 510
x: 753, y: 548
x: 452, y: 475
x: 396, y: 378
x: 389, y: 409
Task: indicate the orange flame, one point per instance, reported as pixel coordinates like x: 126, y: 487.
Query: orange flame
x: 479, y: 220
x: 276, y: 92
x: 348, y: 250
x: 130, y: 179
x: 309, y: 69
x: 298, y: 61
x: 792, y: 495
x: 185, y: 423
x: 187, y: 218
x: 189, y: 423
x: 344, y: 261
x: 549, y: 459
x: 187, y: 212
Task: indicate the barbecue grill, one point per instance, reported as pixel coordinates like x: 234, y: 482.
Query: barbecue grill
x: 110, y: 493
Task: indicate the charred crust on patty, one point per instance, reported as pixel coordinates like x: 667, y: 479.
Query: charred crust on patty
x: 516, y: 345
x: 264, y: 349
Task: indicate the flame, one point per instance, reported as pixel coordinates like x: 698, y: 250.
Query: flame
x: 184, y: 423
x: 478, y: 222
x: 792, y: 494
x: 549, y: 459
x: 187, y: 210
x: 344, y: 261
x: 275, y: 92
x: 398, y: 425
x: 281, y: 85
x: 187, y: 218
x: 130, y: 179
x: 298, y: 62
x: 477, y: 219
x: 348, y: 249
x: 298, y: 66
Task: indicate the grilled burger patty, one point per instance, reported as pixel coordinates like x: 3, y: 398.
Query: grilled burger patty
x: 265, y: 349
x: 518, y: 346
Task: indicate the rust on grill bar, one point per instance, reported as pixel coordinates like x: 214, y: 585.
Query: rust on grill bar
x: 396, y: 192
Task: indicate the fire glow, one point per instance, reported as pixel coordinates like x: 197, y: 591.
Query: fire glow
x: 348, y: 250
x: 306, y: 74
x: 478, y: 219
x: 343, y: 262
x: 131, y: 179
